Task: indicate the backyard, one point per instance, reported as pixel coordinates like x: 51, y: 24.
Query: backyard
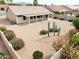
x: 34, y: 41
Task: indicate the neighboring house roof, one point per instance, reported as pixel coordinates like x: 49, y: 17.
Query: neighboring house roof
x: 29, y: 10
x: 58, y: 8
x: 73, y: 7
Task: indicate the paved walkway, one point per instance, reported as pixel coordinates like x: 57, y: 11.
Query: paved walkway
x: 3, y: 49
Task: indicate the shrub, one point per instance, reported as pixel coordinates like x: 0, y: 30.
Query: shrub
x: 37, y: 55
x: 55, y: 17
x: 58, y: 43
x: 76, y: 23
x: 9, y: 34
x: 57, y: 12
x: 43, y: 32
x: 17, y: 43
x: 75, y: 38
x: 2, y: 56
x: 72, y: 32
x: 61, y: 19
x: 2, y: 28
x: 70, y: 20
x: 69, y: 52
x: 53, y: 30
x: 77, y: 16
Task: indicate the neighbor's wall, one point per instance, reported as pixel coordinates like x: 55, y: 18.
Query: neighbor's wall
x: 64, y: 17
x: 58, y: 54
x: 9, y: 46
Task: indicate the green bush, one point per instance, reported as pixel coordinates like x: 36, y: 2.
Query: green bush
x: 17, y: 43
x: 57, y: 12
x: 58, y: 43
x: 43, y: 32
x: 2, y: 28
x: 53, y: 30
x: 77, y: 16
x: 37, y: 55
x: 70, y: 20
x: 9, y: 34
x: 2, y: 56
x: 55, y: 17
x: 75, y: 38
x: 61, y: 18
x: 76, y: 23
x: 69, y: 52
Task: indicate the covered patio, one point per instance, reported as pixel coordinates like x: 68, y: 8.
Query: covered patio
x: 28, y: 19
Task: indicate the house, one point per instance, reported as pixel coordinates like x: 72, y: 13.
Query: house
x: 59, y: 8
x: 61, y: 12
x: 27, y: 14
x: 75, y: 9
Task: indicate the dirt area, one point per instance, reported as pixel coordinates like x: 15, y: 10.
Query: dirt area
x: 33, y: 41
x: 4, y: 21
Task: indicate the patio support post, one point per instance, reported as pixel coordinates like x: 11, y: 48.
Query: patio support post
x: 36, y: 18
x: 29, y: 20
x: 42, y: 18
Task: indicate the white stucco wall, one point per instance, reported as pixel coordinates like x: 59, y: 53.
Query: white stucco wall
x: 20, y: 20
x: 10, y: 15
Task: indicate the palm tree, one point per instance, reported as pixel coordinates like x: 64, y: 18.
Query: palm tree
x: 35, y: 2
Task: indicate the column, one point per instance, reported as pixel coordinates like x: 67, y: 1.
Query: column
x: 29, y: 19
x: 42, y: 17
x: 36, y: 19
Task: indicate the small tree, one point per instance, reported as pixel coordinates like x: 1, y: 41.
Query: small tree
x: 76, y: 23
x: 37, y: 55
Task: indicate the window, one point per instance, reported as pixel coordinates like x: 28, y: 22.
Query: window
x: 41, y: 16
x: 31, y: 17
x: 38, y: 16
x: 46, y: 16
x: 20, y: 15
x: 34, y: 17
x: 24, y: 17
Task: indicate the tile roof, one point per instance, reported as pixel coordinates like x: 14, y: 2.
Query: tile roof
x: 59, y: 8
x: 29, y: 10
